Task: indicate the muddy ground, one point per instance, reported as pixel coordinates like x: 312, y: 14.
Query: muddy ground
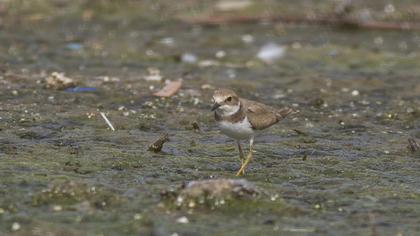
x: 339, y: 167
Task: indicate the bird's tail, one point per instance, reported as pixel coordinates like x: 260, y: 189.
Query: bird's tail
x: 284, y: 112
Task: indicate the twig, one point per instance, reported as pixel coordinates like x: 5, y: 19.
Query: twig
x: 300, y: 132
x: 320, y: 20
x: 413, y: 145
x: 195, y: 126
x: 372, y: 223
x: 157, y: 145
x: 107, y: 121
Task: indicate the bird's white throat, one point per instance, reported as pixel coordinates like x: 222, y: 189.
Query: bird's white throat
x: 228, y: 110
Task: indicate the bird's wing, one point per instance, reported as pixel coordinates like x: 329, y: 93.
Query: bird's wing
x: 259, y: 115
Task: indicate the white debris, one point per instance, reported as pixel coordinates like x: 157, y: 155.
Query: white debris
x: 271, y: 52
x: 345, y: 90
x: 231, y: 5
x: 57, y: 208
x: 58, y: 81
x: 208, y: 63
x: 189, y: 58
x: 355, y: 93
x: 168, y: 41
x: 220, y: 54
x: 296, y: 45
x: 247, y: 38
x: 207, y: 87
x: 137, y: 216
x: 15, y: 226
x: 182, y: 220
x: 107, y: 121
x: 378, y: 41
x: 154, y: 75
x: 389, y: 8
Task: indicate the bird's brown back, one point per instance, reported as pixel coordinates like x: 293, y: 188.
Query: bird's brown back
x: 262, y: 116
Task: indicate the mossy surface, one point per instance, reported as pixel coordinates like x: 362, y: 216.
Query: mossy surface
x: 346, y: 170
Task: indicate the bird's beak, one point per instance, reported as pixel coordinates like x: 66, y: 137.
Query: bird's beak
x: 215, y: 106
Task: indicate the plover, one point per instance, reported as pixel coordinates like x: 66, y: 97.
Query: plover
x: 242, y: 119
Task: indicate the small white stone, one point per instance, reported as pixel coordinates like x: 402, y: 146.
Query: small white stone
x: 247, y: 38
x: 378, y: 40
x: 388, y: 9
x: 15, y: 226
x: 309, y: 125
x: 296, y: 45
x: 137, y: 216
x: 168, y: 41
x: 182, y: 220
x: 207, y: 86
x: 220, y: 54
x: 191, y: 204
x: 355, y: 93
x: 274, y: 197
x: 57, y: 208
x: 271, y: 52
x: 189, y: 58
x: 345, y: 90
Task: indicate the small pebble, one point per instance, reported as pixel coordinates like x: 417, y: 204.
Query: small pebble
x: 355, y: 93
x: 220, y: 54
x: 378, y: 40
x: 271, y: 52
x: 345, y: 90
x: 182, y: 220
x: 169, y: 41
x: 189, y: 58
x: 137, y: 216
x: 389, y: 8
x: 296, y: 45
x: 15, y: 226
x: 247, y: 38
x: 274, y: 197
x: 207, y: 87
x: 57, y: 208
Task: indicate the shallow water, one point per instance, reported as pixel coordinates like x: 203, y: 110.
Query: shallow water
x: 347, y: 172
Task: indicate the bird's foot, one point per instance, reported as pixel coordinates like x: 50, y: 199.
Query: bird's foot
x: 240, y: 172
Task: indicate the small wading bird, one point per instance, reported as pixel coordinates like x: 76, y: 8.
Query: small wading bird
x: 242, y: 119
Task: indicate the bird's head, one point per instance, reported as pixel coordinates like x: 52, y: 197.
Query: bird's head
x: 225, y: 102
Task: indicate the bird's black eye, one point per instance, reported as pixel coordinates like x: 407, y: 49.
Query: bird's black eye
x: 229, y: 99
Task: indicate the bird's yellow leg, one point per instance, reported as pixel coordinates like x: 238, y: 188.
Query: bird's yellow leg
x: 241, y: 156
x: 241, y: 171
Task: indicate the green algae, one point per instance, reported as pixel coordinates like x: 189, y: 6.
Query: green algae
x: 347, y: 172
